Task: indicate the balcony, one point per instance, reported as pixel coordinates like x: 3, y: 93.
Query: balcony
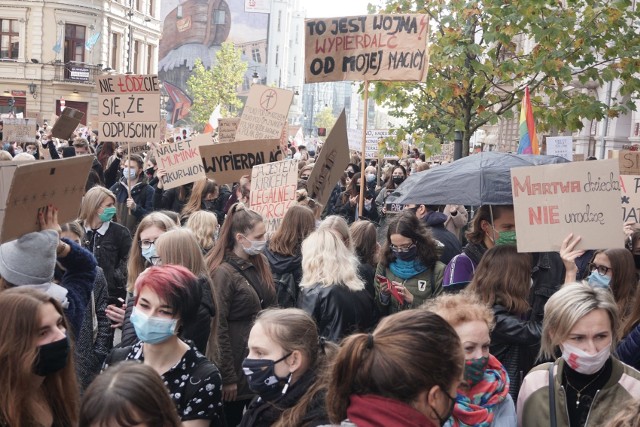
x: 76, y: 72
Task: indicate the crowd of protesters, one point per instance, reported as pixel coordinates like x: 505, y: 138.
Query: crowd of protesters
x: 176, y: 308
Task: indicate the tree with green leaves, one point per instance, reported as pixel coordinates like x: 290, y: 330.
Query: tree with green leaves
x: 209, y: 88
x: 484, y: 54
x: 325, y: 119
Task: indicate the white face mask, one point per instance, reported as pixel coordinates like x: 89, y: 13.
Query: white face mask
x: 583, y: 362
x: 257, y: 246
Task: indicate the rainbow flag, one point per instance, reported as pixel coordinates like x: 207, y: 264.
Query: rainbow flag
x: 527, y: 132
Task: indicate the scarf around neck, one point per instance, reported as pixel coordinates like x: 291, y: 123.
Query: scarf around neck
x: 369, y: 410
x: 407, y: 269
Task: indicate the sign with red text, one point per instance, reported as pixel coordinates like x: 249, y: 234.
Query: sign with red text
x: 227, y: 163
x: 367, y: 48
x: 552, y: 201
x: 265, y: 113
x: 273, y: 190
x: 129, y: 108
x: 630, y: 200
x: 182, y: 162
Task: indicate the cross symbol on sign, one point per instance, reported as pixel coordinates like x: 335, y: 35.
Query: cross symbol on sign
x: 268, y: 99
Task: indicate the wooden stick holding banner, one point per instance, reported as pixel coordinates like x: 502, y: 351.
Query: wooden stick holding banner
x: 363, y: 162
x: 128, y: 165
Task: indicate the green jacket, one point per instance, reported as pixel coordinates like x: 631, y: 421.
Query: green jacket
x: 423, y: 286
x: 533, y: 400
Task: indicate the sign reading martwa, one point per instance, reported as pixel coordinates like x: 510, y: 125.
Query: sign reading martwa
x: 367, y: 47
x: 273, y: 190
x: 181, y: 160
x: 129, y: 108
x: 265, y: 113
x: 227, y: 163
x: 552, y: 201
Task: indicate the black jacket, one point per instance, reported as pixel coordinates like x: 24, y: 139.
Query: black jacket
x: 344, y: 208
x: 111, y: 252
x: 548, y: 275
x: 287, y: 274
x: 198, y: 331
x: 142, y: 194
x: 338, y: 311
x: 515, y: 343
x: 452, y: 247
x: 169, y: 199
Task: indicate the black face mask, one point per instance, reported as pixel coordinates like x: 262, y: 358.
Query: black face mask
x: 149, y: 171
x: 397, y: 180
x: 636, y: 259
x: 52, y: 357
x: 209, y: 204
x: 409, y: 255
x: 350, y: 174
x: 262, y: 378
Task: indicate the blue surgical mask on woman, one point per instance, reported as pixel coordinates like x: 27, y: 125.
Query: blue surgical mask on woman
x: 597, y: 280
x: 150, y: 329
x: 149, y: 252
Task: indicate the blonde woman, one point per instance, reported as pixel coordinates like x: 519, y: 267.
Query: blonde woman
x: 109, y: 241
x: 338, y: 225
x: 589, y: 384
x: 332, y: 293
x: 205, y: 227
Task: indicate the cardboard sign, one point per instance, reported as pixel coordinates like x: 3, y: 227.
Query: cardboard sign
x: 19, y: 130
x: 273, y: 190
x: 67, y: 123
x: 265, y: 113
x: 331, y: 163
x: 202, y: 139
x: 182, y: 162
x: 367, y: 48
x: 552, y: 201
x: 561, y: 146
x: 129, y: 108
x: 578, y: 157
x: 134, y: 148
x: 27, y: 187
x: 227, y: 163
x: 629, y: 162
x: 227, y: 129
x: 630, y: 191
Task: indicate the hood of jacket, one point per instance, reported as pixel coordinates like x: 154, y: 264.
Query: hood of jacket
x: 435, y: 219
x: 281, y: 264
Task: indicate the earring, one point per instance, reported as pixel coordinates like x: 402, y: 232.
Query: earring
x: 286, y: 386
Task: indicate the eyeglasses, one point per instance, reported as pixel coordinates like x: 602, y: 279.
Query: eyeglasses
x: 155, y: 260
x: 602, y: 270
x: 405, y: 248
x: 146, y: 244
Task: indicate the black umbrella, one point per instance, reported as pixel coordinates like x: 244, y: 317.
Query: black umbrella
x: 479, y: 179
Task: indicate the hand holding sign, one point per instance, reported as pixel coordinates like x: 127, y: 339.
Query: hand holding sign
x: 569, y: 254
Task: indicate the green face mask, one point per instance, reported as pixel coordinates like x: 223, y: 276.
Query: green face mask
x: 506, y: 238
x: 107, y: 214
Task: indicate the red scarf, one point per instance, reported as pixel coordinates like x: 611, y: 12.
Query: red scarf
x: 474, y: 407
x: 376, y: 411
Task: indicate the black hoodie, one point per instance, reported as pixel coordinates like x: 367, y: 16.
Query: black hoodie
x: 287, y: 275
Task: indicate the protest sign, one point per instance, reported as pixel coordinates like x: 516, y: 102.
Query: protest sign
x: 129, y: 108
x: 227, y: 163
x: 367, y: 48
x: 629, y: 162
x: 561, y: 146
x: 19, y: 130
x: 330, y: 164
x: 27, y: 187
x: 375, y: 139
x: 227, y: 129
x: 67, y: 123
x: 578, y: 157
x: 134, y: 148
x: 273, y: 190
x: 202, y: 139
x: 552, y: 201
x: 182, y: 162
x: 630, y: 192
x: 264, y: 114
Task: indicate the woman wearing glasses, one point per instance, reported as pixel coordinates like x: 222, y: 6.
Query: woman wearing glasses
x: 409, y: 272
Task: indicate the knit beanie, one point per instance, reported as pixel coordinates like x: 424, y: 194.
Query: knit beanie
x: 29, y: 260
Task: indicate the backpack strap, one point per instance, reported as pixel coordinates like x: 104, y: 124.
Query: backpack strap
x: 202, y: 370
x: 552, y: 398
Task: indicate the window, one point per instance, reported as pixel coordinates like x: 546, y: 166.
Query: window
x: 74, y: 39
x: 115, y: 46
x: 295, y: 60
x: 150, y: 51
x: 277, y: 54
x: 9, y: 39
x: 255, y: 54
x: 279, y: 19
x: 136, y: 5
x: 150, y: 7
x: 219, y: 17
x: 136, y: 56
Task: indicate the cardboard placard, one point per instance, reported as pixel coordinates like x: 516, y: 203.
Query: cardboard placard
x: 552, y: 201
x: 67, y: 123
x: 367, y: 48
x: 129, y: 108
x: 630, y: 191
x: 561, y: 146
x: 331, y: 163
x: 227, y: 129
x: 19, y: 130
x: 264, y: 114
x: 182, y: 162
x: 134, y: 148
x: 202, y: 139
x: 578, y: 157
x: 273, y: 190
x: 629, y: 162
x: 29, y: 186
x: 227, y: 163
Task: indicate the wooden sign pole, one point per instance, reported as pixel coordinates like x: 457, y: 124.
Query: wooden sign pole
x: 363, y: 180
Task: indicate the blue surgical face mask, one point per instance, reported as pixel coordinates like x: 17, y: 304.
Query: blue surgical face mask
x: 597, y: 280
x: 152, y: 330
x: 129, y: 173
x: 149, y: 252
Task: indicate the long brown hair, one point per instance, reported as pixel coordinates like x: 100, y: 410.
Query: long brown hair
x: 503, y: 277
x: 408, y: 353
x: 199, y: 191
x: 241, y: 220
x: 408, y: 225
x: 476, y: 234
x: 624, y: 279
x: 296, y: 225
x: 20, y: 320
x: 364, y: 238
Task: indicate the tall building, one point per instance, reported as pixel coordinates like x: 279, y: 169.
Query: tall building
x: 52, y: 52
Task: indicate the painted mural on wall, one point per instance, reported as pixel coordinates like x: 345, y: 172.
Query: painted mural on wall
x: 195, y: 29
